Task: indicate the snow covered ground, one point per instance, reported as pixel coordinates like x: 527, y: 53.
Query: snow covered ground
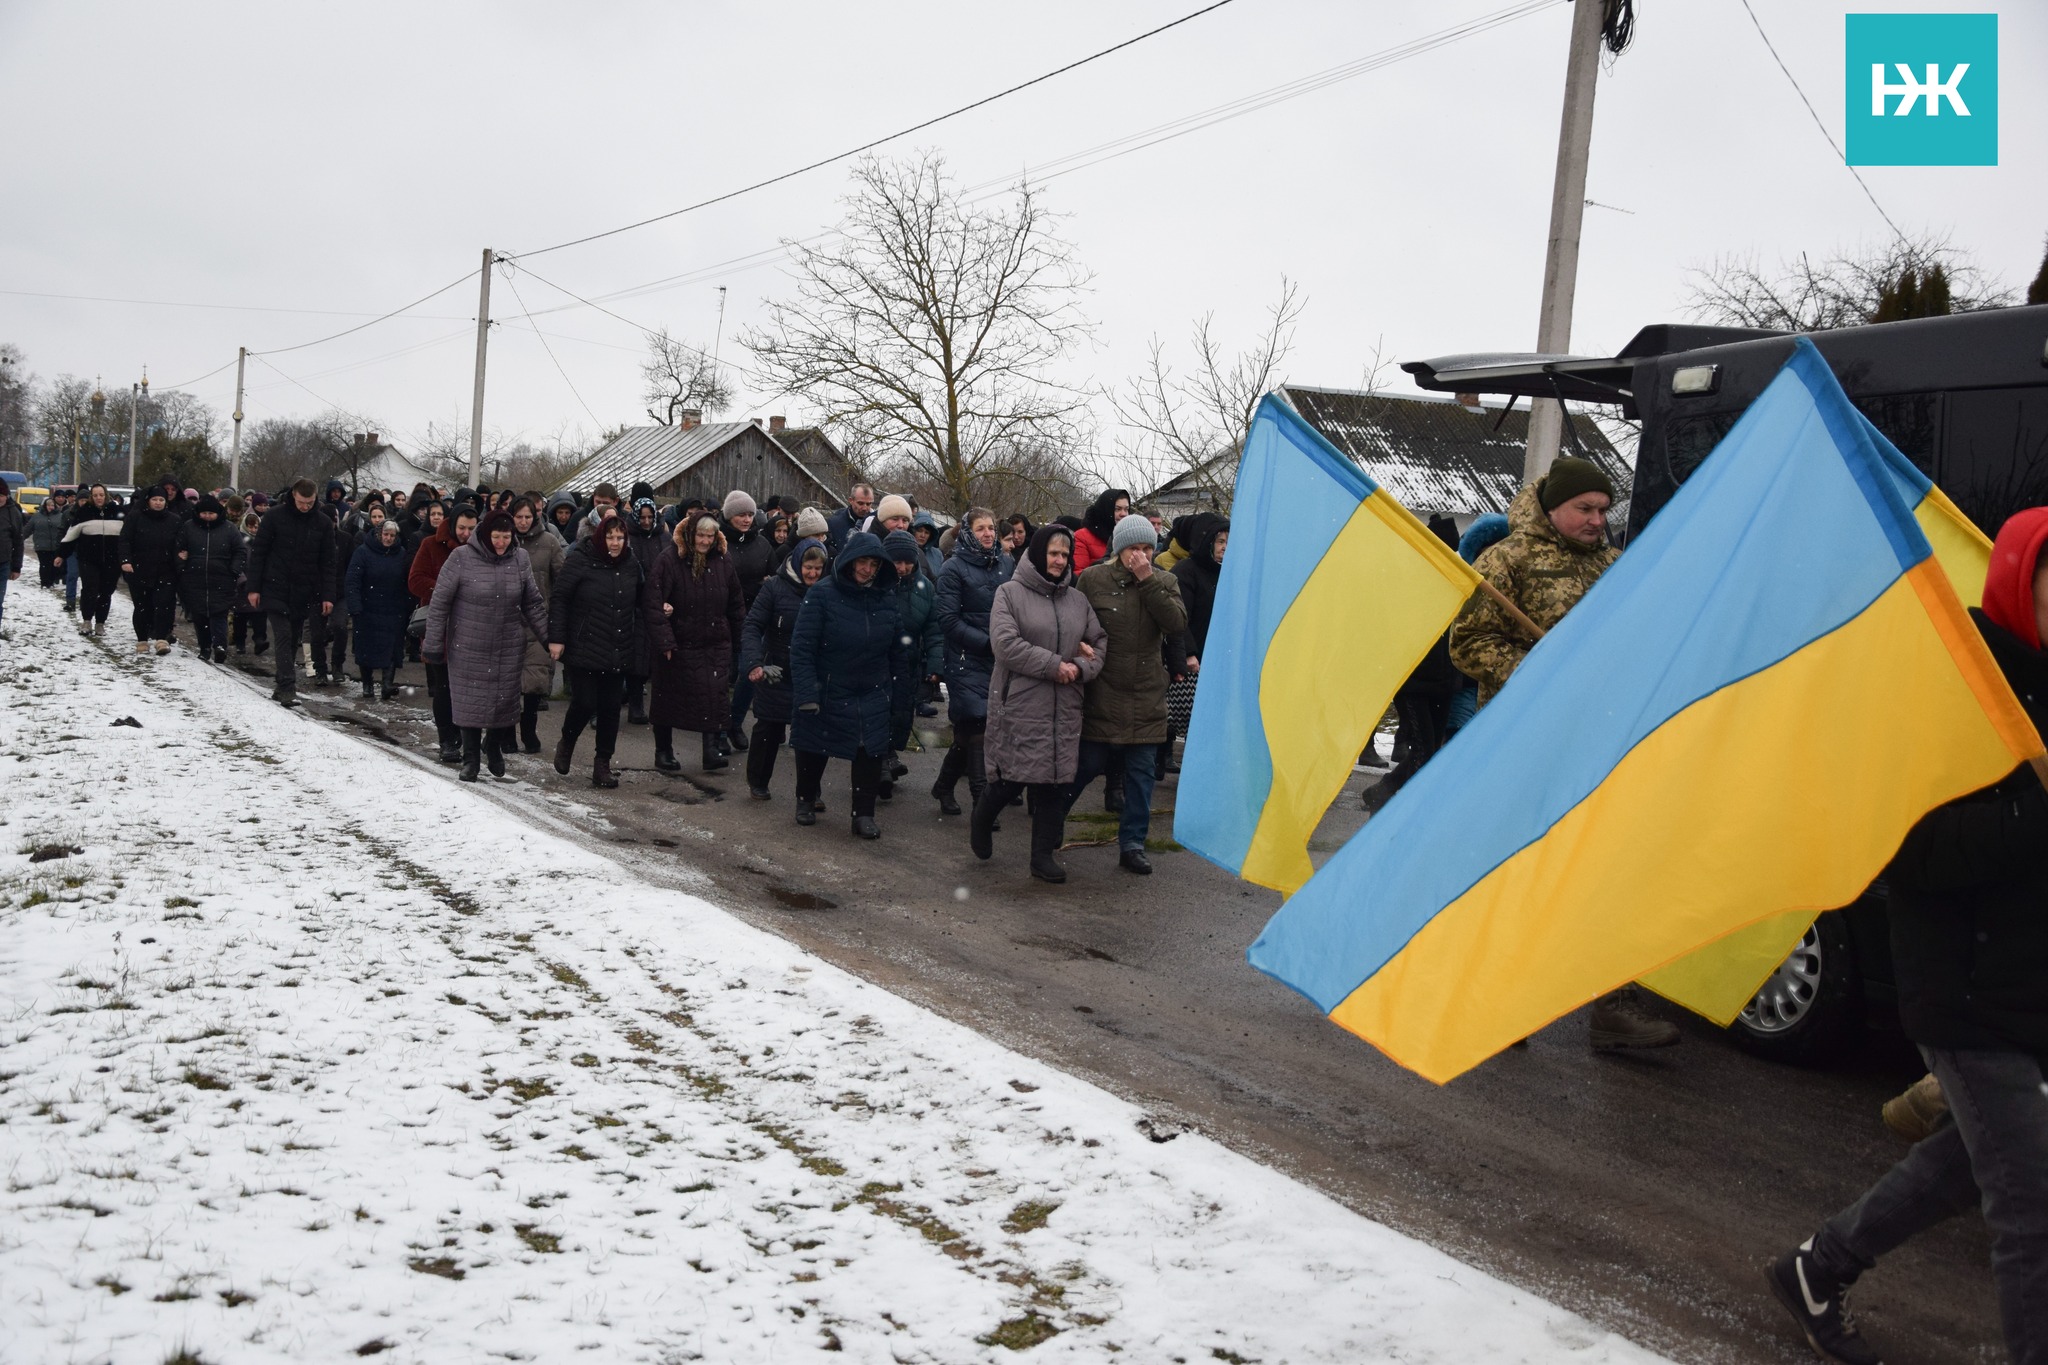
x: 310, y: 1053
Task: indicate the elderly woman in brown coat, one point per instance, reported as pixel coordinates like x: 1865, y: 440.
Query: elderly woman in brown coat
x: 537, y: 673
x: 485, y: 604
x: 1048, y: 644
x: 695, y: 611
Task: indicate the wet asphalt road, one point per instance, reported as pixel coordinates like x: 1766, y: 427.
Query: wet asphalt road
x: 1643, y: 1190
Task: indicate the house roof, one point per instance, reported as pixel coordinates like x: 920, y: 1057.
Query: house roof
x: 659, y: 454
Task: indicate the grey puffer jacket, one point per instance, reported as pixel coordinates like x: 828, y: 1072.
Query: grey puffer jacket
x: 1034, y: 720
x: 484, y: 606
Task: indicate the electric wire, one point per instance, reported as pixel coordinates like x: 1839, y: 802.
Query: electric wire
x: 172, y: 388
x: 891, y: 137
x: 381, y: 317
x: 182, y: 303
x: 282, y: 375
x: 521, y: 301
x: 1841, y: 155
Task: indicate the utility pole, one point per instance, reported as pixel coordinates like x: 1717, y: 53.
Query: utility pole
x: 483, y: 336
x: 1567, y: 212
x: 235, y: 447
x: 134, y: 403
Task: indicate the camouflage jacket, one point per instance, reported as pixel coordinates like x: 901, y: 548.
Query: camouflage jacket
x: 1539, y: 571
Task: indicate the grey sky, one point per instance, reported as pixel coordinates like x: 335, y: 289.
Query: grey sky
x: 352, y: 157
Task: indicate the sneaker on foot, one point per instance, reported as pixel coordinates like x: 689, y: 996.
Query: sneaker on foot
x: 1820, y: 1307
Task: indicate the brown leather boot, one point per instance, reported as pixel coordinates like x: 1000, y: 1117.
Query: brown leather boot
x: 1620, y: 1021
x: 565, y: 751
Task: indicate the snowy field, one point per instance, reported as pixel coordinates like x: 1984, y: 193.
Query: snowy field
x: 310, y: 1053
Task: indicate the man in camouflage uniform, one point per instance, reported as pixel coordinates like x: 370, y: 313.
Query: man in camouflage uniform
x: 1555, y: 549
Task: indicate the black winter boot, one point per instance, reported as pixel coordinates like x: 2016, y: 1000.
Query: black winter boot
x: 981, y: 825
x: 1048, y: 829
x: 529, y: 729
x: 494, y: 753
x: 601, y: 772
x: 950, y: 768
x: 565, y: 753
x: 806, y: 812
x: 737, y: 738
x: 451, y: 745
x: 636, y: 705
x: 390, y: 684
x: 713, y: 759
x: 664, y: 750
x: 472, y: 753
x: 369, y: 689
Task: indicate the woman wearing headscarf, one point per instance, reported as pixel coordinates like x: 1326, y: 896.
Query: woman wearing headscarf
x: 1047, y: 645
x: 484, y: 597
x: 694, y: 613
x: 847, y: 656
x: 1199, y: 569
x: 212, y: 555
x: 967, y: 589
x: 1098, y: 524
x: 537, y: 677
x: 764, y: 656
x: 597, y: 628
x: 374, y: 587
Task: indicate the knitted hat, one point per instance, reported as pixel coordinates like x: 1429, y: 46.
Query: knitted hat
x: 901, y: 547
x: 1131, y: 531
x: 1570, y: 477
x: 810, y: 523
x: 738, y: 504
x: 895, y: 505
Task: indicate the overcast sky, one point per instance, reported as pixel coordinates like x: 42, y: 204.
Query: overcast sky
x: 276, y: 160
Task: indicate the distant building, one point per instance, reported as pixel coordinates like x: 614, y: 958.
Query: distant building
x: 1436, y: 454
x: 707, y: 460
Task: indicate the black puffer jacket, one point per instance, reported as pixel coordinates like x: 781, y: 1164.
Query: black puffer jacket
x: 1969, y: 898
x: 292, y: 559
x: 1198, y: 573
x: 764, y: 639
x: 149, y: 543
x: 595, y: 612
x: 966, y: 590
x: 753, y: 556
x: 216, y: 555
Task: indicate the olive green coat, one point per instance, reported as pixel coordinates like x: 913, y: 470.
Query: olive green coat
x: 1539, y: 571
x: 1126, y: 702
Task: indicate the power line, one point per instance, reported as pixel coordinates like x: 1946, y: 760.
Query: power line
x: 1839, y: 153
x: 381, y: 317
x: 168, y: 388
x: 870, y: 146
x: 282, y: 375
x: 549, y: 349
x: 647, y: 331
x: 180, y: 303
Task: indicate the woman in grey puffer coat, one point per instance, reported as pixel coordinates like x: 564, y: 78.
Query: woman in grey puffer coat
x: 544, y: 558
x: 1047, y: 645
x: 485, y: 604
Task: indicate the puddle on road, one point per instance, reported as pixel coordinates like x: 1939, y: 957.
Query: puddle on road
x: 797, y: 899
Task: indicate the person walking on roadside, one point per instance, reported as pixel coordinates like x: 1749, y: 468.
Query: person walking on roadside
x: 1969, y: 944
x: 149, y: 558
x: 966, y: 591
x: 453, y: 532
x: 291, y: 578
x: 375, y: 589
x: 1198, y: 571
x: 212, y: 557
x: 750, y: 545
x: 46, y: 534
x: 764, y: 657
x: 94, y: 540
x: 597, y: 629
x: 694, y: 613
x: 847, y: 658
x: 484, y: 598
x: 917, y: 614
x: 537, y: 676
x: 646, y: 539
x: 14, y: 538
x: 1124, y: 706
x: 1048, y: 646
x: 1555, y: 550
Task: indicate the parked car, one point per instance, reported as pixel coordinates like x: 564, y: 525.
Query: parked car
x: 1965, y: 397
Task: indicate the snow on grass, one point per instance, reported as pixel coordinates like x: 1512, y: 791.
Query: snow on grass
x: 310, y: 1053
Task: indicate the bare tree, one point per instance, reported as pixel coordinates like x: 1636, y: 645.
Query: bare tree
x: 677, y: 375
x: 1845, y: 290
x: 1193, y: 426
x: 17, y: 411
x: 928, y: 328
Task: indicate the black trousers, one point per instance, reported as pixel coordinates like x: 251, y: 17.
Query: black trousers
x: 248, y: 622
x: 867, y: 775
x: 1424, y: 722
x: 211, y: 628
x: 51, y: 569
x: 1048, y: 810
x: 287, y: 629
x: 156, y: 607
x: 330, y: 641
x: 595, y: 696
x: 438, y: 694
x: 761, y: 754
x: 96, y: 589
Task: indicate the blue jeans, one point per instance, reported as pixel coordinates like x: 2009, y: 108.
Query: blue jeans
x: 1993, y: 1156
x: 1096, y: 757
x: 70, y: 580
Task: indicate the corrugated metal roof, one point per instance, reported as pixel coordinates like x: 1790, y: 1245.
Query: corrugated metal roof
x: 1435, y: 455
x: 657, y: 454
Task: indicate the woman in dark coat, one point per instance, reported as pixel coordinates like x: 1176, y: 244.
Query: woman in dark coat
x: 1048, y: 646
x: 212, y: 556
x: 764, y: 656
x: 597, y: 629
x: 378, y: 603
x: 1197, y: 572
x: 485, y: 602
x: 845, y: 659
x: 94, y: 537
x: 646, y: 537
x: 149, y: 556
x: 967, y: 589
x: 694, y: 614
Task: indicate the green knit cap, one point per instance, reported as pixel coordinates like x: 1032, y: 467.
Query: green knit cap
x: 1568, y: 478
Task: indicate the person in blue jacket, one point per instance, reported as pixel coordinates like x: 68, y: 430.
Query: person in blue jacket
x: 847, y: 658
x: 966, y: 590
x: 374, y: 587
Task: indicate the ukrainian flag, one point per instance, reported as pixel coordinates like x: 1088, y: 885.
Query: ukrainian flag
x: 1331, y: 594
x: 1741, y: 721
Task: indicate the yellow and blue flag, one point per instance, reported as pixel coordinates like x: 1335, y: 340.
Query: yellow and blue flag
x: 1331, y: 594
x: 1740, y: 721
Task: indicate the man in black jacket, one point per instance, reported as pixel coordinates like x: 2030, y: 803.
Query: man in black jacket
x: 291, y: 577
x: 1969, y: 921
x: 13, y: 538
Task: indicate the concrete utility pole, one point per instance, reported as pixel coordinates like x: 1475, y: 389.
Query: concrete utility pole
x: 1567, y: 211
x: 235, y: 446
x: 483, y: 337
x: 134, y: 403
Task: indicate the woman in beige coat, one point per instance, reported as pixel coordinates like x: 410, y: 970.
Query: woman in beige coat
x: 1047, y: 644
x: 537, y: 671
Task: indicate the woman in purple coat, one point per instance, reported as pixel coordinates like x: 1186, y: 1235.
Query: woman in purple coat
x: 695, y: 611
x: 485, y: 604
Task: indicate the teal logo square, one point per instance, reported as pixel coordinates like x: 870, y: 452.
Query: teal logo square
x: 1922, y: 89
